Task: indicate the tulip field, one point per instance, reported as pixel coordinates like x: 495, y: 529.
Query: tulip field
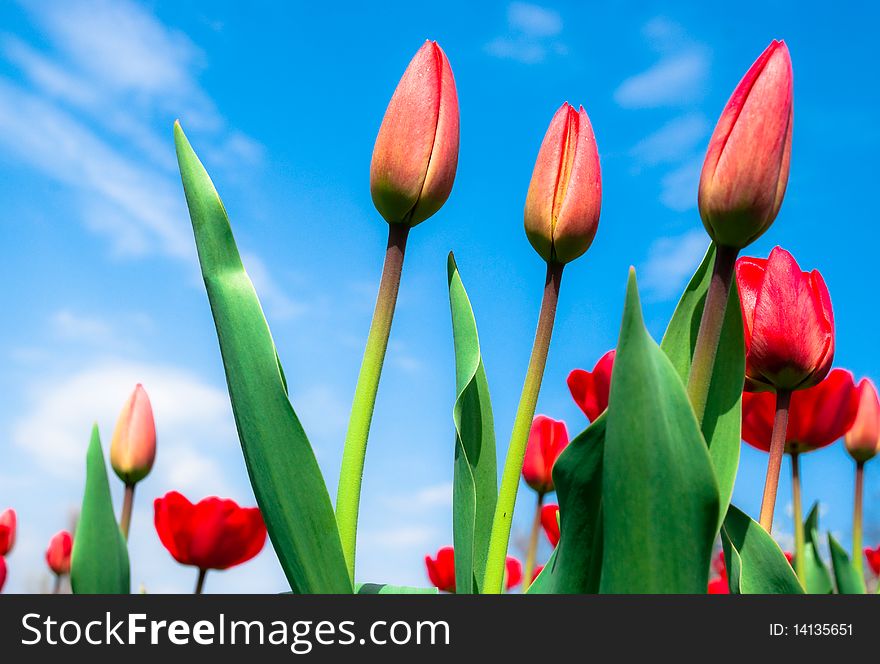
x: 634, y: 499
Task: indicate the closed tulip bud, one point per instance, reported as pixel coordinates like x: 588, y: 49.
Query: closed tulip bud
x: 789, y: 324
x: 550, y: 523
x: 133, y: 448
x: 871, y: 555
x: 58, y: 553
x: 863, y: 438
x: 565, y: 194
x: 2, y: 572
x: 441, y: 569
x: 513, y: 572
x: 547, y: 439
x: 7, y: 531
x: 746, y: 167
x: 416, y: 151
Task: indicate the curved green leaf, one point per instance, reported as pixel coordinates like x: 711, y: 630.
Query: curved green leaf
x: 659, y: 494
x: 847, y: 578
x: 818, y: 578
x: 284, y: 473
x: 475, y: 485
x: 723, y: 417
x: 388, y: 589
x: 755, y: 563
x: 99, y: 562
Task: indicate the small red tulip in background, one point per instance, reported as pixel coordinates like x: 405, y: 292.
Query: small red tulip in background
x: 416, y: 151
x: 719, y: 585
x: 7, y: 531
x: 550, y: 522
x: 441, y: 569
x: 513, y: 575
x: 817, y: 416
x: 536, y: 573
x: 565, y: 194
x: 871, y: 555
x: 547, y: 439
x: 2, y: 572
x: 58, y: 553
x: 746, y: 168
x: 133, y: 448
x: 789, y: 324
x: 590, y: 389
x: 863, y: 438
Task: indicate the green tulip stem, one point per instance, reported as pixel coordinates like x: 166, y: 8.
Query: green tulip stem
x: 349, y: 492
x: 774, y: 462
x: 800, y: 558
x: 525, y: 412
x: 127, y: 504
x: 532, y: 552
x: 857, y: 519
x: 200, y: 582
x: 709, y: 335
x: 56, y: 586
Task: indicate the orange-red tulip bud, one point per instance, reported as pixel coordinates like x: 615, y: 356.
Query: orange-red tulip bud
x: 416, y: 151
x: 863, y: 438
x: 7, y: 531
x: 133, y: 448
x: 58, y: 553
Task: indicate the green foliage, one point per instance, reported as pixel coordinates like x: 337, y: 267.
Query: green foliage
x: 847, y: 578
x: 818, y: 579
x: 388, y: 589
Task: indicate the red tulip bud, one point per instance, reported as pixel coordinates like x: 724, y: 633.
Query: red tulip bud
x: 7, y: 531
x: 416, y: 151
x: 590, y: 389
x: 863, y: 438
x: 58, y: 553
x: 536, y: 573
x: 789, y: 325
x: 2, y: 572
x: 547, y: 439
x: 441, y: 570
x: 873, y: 556
x: 550, y: 522
x: 133, y: 448
x: 513, y: 572
x: 746, y: 168
x: 565, y: 194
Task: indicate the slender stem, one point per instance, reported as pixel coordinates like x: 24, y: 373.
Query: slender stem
x: 349, y: 492
x: 774, y: 463
x: 800, y: 560
x: 127, y: 503
x: 709, y: 335
x: 56, y: 586
x: 857, y: 519
x: 532, y: 552
x: 500, y: 536
x: 200, y: 582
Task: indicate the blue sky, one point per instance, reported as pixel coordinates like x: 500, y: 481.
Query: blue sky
x: 283, y: 102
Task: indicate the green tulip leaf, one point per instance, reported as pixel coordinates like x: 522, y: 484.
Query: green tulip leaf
x: 387, y: 589
x: 818, y: 578
x: 659, y: 494
x: 475, y: 484
x: 723, y: 417
x: 755, y: 563
x: 576, y: 564
x: 848, y: 579
x: 284, y: 473
x: 99, y: 561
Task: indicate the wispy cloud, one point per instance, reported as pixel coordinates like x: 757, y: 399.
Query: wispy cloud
x: 679, y: 186
x: 670, y: 262
x: 677, y: 138
x: 675, y: 80
x: 532, y: 34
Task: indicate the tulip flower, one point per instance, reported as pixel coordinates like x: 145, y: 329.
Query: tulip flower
x: 746, y: 168
x: 550, y: 522
x: 2, y: 572
x: 872, y: 555
x: 7, y: 531
x: 719, y: 585
x: 133, y: 448
x: 58, y: 556
x: 441, y: 569
x: 590, y: 389
x: 863, y: 442
x: 513, y: 572
x: 212, y: 534
x: 411, y: 175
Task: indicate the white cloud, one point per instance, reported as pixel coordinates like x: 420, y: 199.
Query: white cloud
x: 681, y: 184
x: 671, y: 261
x: 673, y: 141
x: 429, y: 497
x: 531, y: 36
x: 664, y: 34
x: 270, y: 293
x: 534, y: 20
x: 675, y: 80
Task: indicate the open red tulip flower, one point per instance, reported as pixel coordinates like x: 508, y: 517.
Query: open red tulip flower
x: 719, y: 585
x: 441, y: 569
x: 513, y: 572
x: 590, y: 389
x: 871, y: 555
x: 550, y: 522
x: 7, y: 531
x: 212, y: 534
x: 58, y: 553
x: 789, y: 324
x: 2, y: 572
x: 817, y: 416
x: 863, y: 438
x: 547, y: 439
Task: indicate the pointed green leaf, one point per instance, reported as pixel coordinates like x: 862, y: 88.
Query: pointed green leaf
x: 818, y: 578
x: 284, y: 473
x: 847, y: 578
x: 755, y: 563
x: 475, y: 485
x: 723, y: 417
x: 388, y: 589
x: 99, y: 562
x: 659, y: 494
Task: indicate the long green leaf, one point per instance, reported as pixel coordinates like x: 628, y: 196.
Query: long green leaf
x: 99, y: 562
x: 847, y: 578
x: 755, y: 563
x: 284, y: 473
x: 723, y: 417
x: 388, y: 589
x: 659, y: 494
x: 818, y: 578
x: 475, y: 485
x: 575, y: 567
